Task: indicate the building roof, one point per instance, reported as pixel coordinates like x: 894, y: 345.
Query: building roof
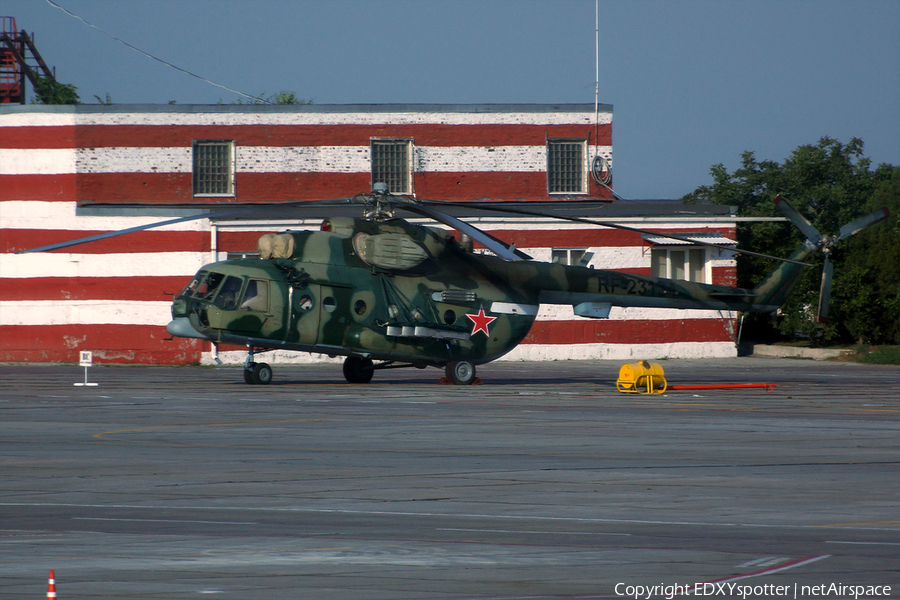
x: 634, y: 210
x: 303, y: 108
x: 704, y: 238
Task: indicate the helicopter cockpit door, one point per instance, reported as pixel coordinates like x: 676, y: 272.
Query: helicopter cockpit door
x: 305, y: 311
x: 320, y: 314
x: 239, y: 309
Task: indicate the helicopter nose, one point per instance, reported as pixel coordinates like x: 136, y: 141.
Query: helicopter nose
x: 181, y: 327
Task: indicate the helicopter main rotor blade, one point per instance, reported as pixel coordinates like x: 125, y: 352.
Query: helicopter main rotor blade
x: 118, y: 232
x: 485, y: 239
x: 799, y: 221
x: 854, y: 227
x: 534, y: 213
x: 825, y: 291
x: 194, y: 217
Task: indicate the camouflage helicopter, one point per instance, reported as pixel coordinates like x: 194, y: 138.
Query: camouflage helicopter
x: 387, y: 293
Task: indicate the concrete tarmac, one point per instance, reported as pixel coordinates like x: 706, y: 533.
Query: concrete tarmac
x: 543, y: 482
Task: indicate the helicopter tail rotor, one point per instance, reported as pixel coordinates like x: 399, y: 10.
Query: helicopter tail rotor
x: 827, y: 243
x: 825, y: 291
x: 800, y: 222
x: 854, y: 227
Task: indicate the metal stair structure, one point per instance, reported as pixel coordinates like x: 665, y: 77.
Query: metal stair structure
x: 19, y: 59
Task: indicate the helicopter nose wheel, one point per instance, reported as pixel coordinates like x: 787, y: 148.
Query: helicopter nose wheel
x: 257, y: 374
x: 460, y: 372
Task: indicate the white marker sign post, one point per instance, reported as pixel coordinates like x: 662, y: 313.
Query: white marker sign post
x: 87, y: 359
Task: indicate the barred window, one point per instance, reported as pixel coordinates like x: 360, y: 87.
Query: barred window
x: 391, y: 165
x: 566, y: 166
x: 214, y: 167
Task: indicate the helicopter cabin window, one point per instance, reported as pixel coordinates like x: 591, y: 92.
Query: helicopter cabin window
x: 686, y: 264
x: 392, y: 164
x: 567, y: 256
x: 213, y: 167
x: 566, y: 167
x: 256, y: 297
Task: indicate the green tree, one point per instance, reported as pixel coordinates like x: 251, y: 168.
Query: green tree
x: 831, y: 184
x: 50, y: 91
x: 868, y: 297
x: 283, y: 97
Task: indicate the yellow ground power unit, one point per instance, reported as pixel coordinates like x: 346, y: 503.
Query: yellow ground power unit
x: 641, y: 378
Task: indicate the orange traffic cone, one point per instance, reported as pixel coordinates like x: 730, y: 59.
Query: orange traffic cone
x: 51, y: 586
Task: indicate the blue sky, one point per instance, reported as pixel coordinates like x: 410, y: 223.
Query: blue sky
x: 693, y: 82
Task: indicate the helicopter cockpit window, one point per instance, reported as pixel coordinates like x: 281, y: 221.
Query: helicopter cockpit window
x: 191, y: 288
x: 204, y: 285
x: 229, y: 292
x: 257, y: 296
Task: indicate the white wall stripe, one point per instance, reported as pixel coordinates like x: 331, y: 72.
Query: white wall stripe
x: 526, y: 352
x: 560, y: 312
x: 134, y: 160
x: 84, y: 312
x: 453, y: 159
x: 270, y: 159
x: 33, y: 214
x: 49, y: 308
x: 617, y: 257
x: 627, y: 352
x: 41, y: 161
x: 147, y: 264
x: 166, y: 118
x: 303, y: 159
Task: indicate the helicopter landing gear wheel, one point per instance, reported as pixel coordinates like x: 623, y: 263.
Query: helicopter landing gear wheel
x: 460, y: 372
x: 358, y: 370
x: 258, y: 373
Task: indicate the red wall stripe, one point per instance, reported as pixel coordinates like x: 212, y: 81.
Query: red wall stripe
x: 161, y: 136
x: 117, y: 287
x: 725, y: 276
x: 54, y: 136
x: 14, y: 240
x: 590, y: 331
x: 137, y: 188
x: 148, y: 344
x: 160, y: 189
x: 38, y: 187
x: 141, y: 344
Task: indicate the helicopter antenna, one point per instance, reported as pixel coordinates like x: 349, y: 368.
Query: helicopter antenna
x: 596, y: 74
x: 601, y: 170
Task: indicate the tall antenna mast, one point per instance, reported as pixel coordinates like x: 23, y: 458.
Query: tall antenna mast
x: 600, y: 169
x: 597, y: 58
x: 597, y: 76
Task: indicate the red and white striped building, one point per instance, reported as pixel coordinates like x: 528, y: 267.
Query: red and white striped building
x: 72, y: 171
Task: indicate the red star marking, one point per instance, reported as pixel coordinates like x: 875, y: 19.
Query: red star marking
x: 481, y: 322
